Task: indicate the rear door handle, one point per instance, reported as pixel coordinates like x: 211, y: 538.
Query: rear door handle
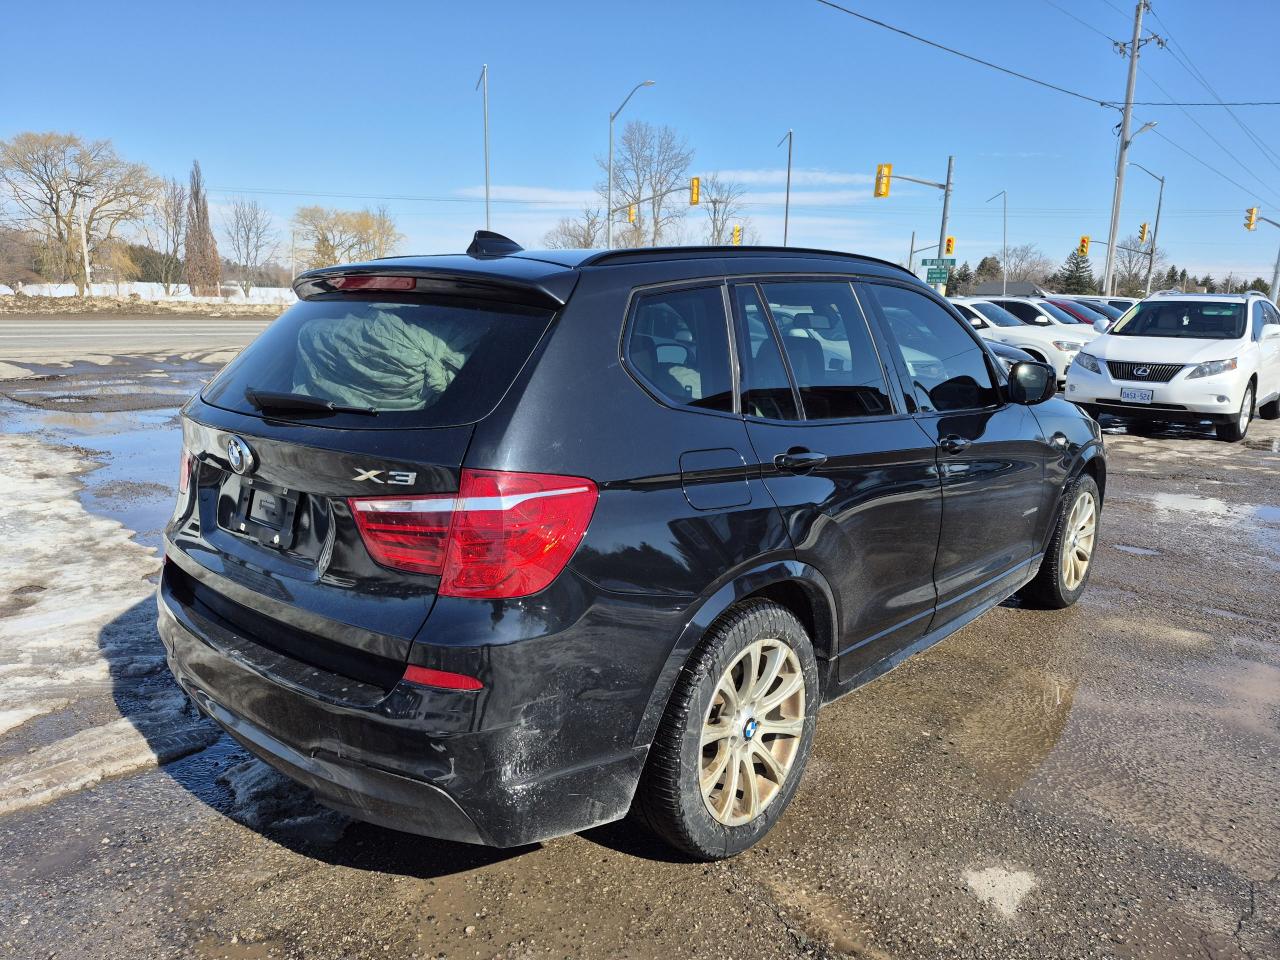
x: 953, y: 444
x: 797, y: 461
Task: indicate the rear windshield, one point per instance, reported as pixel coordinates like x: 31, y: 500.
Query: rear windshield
x: 400, y: 362
x: 997, y: 315
x: 1188, y: 319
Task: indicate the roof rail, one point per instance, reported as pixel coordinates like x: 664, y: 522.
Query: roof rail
x: 640, y: 254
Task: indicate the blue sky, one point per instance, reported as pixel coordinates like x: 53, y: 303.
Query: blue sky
x: 304, y: 102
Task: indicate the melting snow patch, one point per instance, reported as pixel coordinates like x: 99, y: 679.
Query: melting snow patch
x: 261, y: 797
x: 1000, y: 888
x: 76, y: 621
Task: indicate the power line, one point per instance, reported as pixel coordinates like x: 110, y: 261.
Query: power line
x: 1206, y: 164
x: 966, y: 56
x: 1207, y: 103
x: 1084, y: 23
x: 1205, y: 130
x: 1184, y: 60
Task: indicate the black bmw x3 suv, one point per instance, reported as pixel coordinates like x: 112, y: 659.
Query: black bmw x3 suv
x: 500, y: 546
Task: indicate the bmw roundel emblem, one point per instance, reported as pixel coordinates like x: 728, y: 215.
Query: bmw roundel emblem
x: 1141, y: 371
x: 240, y: 456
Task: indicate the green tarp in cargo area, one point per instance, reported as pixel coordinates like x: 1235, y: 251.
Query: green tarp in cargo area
x: 374, y: 358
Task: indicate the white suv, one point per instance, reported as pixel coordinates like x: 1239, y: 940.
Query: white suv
x: 1051, y: 342
x: 1186, y: 358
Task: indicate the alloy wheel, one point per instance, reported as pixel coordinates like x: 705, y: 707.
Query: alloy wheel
x: 1246, y: 410
x: 1078, y: 540
x: 751, y: 733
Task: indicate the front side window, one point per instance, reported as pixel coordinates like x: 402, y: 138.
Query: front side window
x: 833, y: 358
x: 997, y: 315
x: 1024, y: 312
x: 1259, y: 319
x: 678, y: 341
x: 947, y: 369
x: 1183, y: 319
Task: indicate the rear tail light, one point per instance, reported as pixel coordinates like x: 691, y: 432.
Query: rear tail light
x: 503, y: 535
x: 426, y: 677
x: 184, y: 472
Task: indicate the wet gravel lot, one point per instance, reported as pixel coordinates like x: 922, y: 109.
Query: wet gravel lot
x: 1098, y: 782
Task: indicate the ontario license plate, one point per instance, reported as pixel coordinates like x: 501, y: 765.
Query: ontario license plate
x: 1134, y: 395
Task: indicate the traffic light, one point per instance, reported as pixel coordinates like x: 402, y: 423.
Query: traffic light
x: 1251, y: 218
x: 631, y: 213
x: 1142, y: 233
x: 695, y: 187
x: 949, y: 247
x: 1083, y: 249
x: 737, y: 236
x: 884, y: 172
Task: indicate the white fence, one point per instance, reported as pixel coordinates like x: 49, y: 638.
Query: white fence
x: 231, y: 293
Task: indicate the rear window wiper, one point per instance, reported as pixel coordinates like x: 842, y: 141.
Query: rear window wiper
x: 265, y: 400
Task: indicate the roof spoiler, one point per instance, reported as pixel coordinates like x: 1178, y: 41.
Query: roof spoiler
x: 486, y: 243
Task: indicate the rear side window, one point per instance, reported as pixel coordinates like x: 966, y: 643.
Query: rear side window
x: 400, y: 363
x: 766, y: 389
x: 833, y: 358
x: 948, y: 370
x: 678, y: 341
x: 1024, y: 312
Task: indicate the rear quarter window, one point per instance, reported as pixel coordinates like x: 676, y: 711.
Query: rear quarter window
x: 678, y: 342
x: 409, y: 362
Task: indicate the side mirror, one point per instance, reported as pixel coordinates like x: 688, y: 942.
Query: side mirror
x: 1031, y: 382
x: 1102, y: 326
x: 1271, y: 331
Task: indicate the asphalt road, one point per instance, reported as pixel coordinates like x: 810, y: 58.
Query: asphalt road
x: 38, y: 337
x: 1097, y: 782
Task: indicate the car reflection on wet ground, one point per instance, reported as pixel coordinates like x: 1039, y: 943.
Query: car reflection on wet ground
x: 1103, y: 781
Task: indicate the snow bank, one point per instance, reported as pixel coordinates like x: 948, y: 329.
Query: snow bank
x: 155, y: 291
x: 76, y: 621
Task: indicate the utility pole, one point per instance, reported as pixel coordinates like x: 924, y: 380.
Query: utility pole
x: 1155, y: 232
x: 786, y: 210
x: 1004, y: 244
x: 1121, y: 158
x: 946, y: 208
x: 84, y: 251
x: 911, y: 252
x: 293, y: 256
x: 484, y: 80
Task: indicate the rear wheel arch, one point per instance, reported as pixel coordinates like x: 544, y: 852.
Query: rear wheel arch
x: 796, y: 586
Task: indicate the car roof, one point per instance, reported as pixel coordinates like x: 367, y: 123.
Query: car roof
x: 1208, y: 297
x: 549, y: 275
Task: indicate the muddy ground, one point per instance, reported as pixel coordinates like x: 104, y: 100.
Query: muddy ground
x: 1098, y: 782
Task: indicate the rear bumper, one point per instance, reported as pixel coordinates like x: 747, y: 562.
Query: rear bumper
x: 414, y: 759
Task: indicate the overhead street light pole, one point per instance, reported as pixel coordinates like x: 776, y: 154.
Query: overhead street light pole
x: 1275, y: 274
x: 1004, y: 243
x: 1155, y: 230
x: 786, y: 210
x: 484, y: 80
x: 608, y: 227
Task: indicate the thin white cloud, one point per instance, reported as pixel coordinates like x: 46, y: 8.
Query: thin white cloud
x: 524, y: 194
x: 799, y: 177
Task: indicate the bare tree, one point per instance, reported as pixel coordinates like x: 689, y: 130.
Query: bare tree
x: 650, y: 163
x: 577, y: 233
x: 165, y: 229
x: 203, y: 266
x: 59, y: 183
x: 19, y: 257
x: 1026, y: 263
x: 722, y: 200
x: 253, y: 240
x: 1131, y: 261
x: 341, y: 236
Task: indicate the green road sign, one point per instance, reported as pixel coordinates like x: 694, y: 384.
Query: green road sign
x: 936, y: 275
x: 938, y: 262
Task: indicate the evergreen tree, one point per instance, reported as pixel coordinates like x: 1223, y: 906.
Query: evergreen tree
x: 1075, y: 275
x: 1257, y: 283
x: 1210, y: 285
x: 960, y: 281
x: 988, y: 270
x: 1170, y: 280
x: 1183, y: 279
